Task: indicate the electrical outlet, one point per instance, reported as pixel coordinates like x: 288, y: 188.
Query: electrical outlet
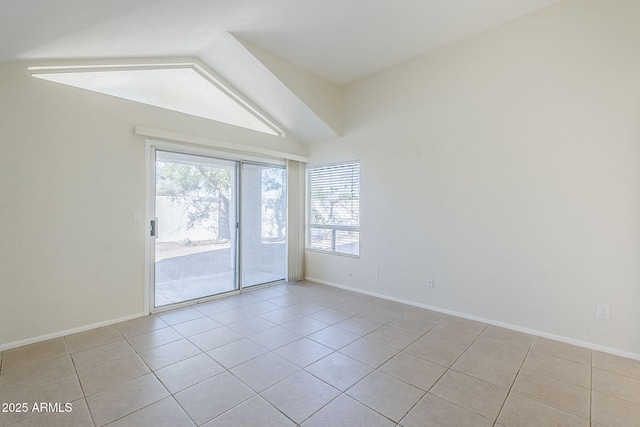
x: 376, y: 272
x: 430, y: 282
x: 602, y: 312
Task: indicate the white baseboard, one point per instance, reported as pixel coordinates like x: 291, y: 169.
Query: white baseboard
x: 15, y: 344
x: 579, y: 343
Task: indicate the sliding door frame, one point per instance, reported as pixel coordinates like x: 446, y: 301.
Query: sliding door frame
x: 241, y: 219
x: 150, y: 154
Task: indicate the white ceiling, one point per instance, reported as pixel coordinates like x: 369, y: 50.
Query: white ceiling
x: 341, y: 40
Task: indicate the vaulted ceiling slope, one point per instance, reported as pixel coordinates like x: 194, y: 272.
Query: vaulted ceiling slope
x: 288, y: 57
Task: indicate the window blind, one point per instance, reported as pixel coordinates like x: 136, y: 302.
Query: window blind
x: 333, y: 208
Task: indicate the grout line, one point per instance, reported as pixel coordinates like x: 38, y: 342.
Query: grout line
x: 591, y: 389
x: 514, y: 381
x: 309, y: 298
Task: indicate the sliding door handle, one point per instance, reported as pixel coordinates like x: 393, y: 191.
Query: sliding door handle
x: 154, y: 228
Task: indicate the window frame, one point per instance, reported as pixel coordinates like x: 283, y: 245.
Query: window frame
x: 331, y: 226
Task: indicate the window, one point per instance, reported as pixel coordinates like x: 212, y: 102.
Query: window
x: 184, y: 87
x: 333, y: 208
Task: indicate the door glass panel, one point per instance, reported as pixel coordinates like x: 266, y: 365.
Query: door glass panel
x: 263, y: 224
x: 195, y: 248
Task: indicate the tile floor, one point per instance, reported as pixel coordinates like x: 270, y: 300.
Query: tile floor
x: 311, y: 355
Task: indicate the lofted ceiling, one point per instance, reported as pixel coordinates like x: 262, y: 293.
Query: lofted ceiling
x: 339, y: 41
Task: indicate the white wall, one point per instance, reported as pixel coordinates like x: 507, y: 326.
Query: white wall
x: 506, y: 167
x: 72, y: 173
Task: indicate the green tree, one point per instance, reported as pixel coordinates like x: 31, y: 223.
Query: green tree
x: 274, y: 180
x: 202, y: 189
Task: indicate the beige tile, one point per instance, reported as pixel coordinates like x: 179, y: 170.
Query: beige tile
x: 617, y: 364
x: 92, y: 338
x: 67, y: 414
x: 378, y: 315
x: 270, y: 292
x: 413, y: 370
x: 452, y: 337
x: 487, y: 369
x: 66, y: 389
x: 287, y: 300
x: 301, y: 291
x: 94, y: 357
x: 121, y: 400
x: 112, y: 374
x: 215, y: 338
x: 499, y: 350
x: 300, y: 395
x: 30, y: 375
x: 331, y: 300
x: 370, y: 302
x: 243, y: 299
x: 275, y: 337
x: 434, y: 411
x: 282, y: 315
x: 387, y: 395
x: 425, y: 315
x: 38, y: 352
x: 413, y: 326
x: 346, y: 411
x: 188, y: 372
x: 611, y: 412
x: 153, y: 339
x: 261, y: 307
x: 254, y: 412
x: 250, y: 326
x: 553, y: 388
x: 213, y: 397
x: 165, y: 412
x: 397, y: 307
x: 464, y: 325
x: 471, y: 393
x: 562, y: 369
x: 15, y: 415
x: 511, y: 337
x: 433, y: 351
x: 212, y: 307
x: 196, y: 326
x: 330, y: 315
x: 264, y: 371
x: 141, y: 325
x: 307, y: 307
x: 393, y: 337
x: 560, y: 394
x: 616, y: 385
x: 358, y: 325
x: 305, y: 325
x: 303, y: 352
x: 562, y: 350
x: 334, y: 337
x: 236, y: 353
x: 167, y: 354
x: 355, y: 307
x: 521, y: 411
x: 369, y: 351
x: 233, y: 315
x: 339, y: 370
x: 180, y: 315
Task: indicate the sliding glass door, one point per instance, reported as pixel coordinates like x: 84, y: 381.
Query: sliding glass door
x: 220, y: 226
x: 264, y: 224
x: 196, y: 234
